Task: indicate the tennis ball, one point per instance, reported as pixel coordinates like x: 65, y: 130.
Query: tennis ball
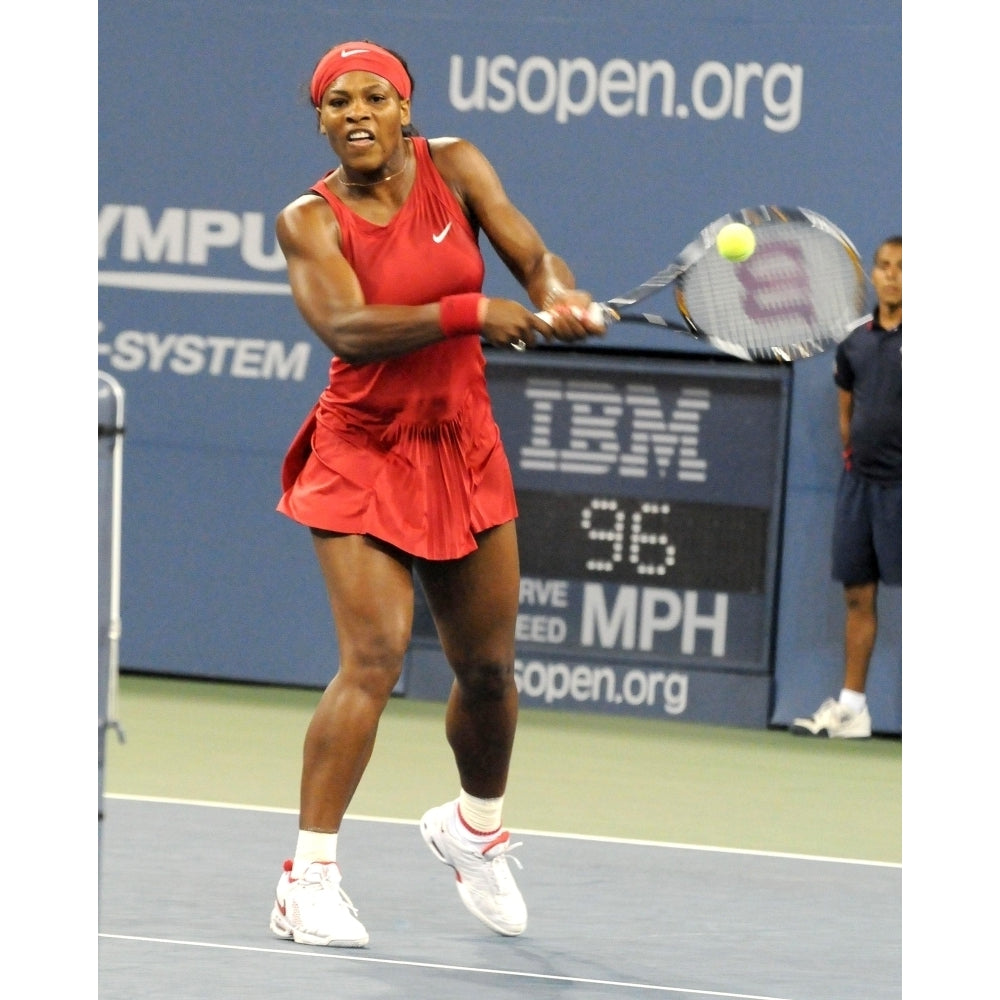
x: 736, y: 242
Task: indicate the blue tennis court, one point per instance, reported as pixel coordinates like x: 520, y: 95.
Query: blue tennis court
x: 186, y: 889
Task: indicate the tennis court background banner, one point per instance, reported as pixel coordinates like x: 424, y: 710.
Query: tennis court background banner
x: 619, y: 129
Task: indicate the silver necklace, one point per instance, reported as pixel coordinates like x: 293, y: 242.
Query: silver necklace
x: 365, y: 184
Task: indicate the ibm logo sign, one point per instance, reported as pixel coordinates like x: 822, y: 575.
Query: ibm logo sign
x: 597, y: 428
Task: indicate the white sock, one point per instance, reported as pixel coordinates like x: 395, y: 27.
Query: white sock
x: 853, y: 701
x: 478, y: 817
x: 312, y: 846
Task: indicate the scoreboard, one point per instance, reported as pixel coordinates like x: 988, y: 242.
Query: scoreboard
x: 650, y: 496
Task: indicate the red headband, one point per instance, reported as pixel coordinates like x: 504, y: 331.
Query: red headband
x: 351, y: 56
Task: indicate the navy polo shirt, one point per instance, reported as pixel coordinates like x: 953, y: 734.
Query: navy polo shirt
x: 869, y: 365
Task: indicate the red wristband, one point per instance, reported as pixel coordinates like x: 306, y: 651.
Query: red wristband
x: 460, y: 314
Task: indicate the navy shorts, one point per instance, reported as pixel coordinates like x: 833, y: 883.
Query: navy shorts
x: 868, y: 531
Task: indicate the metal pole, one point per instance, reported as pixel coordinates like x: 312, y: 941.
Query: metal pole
x: 110, y: 433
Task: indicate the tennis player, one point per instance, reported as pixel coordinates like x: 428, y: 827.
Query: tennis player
x: 399, y: 468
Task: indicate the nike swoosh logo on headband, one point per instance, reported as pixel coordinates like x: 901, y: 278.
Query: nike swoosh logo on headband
x: 352, y: 52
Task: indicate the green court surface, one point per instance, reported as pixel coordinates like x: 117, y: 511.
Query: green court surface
x: 588, y: 774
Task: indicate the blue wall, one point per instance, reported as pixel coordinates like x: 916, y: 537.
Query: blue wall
x: 205, y: 133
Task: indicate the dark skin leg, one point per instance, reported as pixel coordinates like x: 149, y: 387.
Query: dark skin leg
x: 371, y: 595
x: 860, y: 627
x: 474, y: 601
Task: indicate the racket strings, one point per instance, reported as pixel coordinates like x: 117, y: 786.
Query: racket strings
x: 801, y: 291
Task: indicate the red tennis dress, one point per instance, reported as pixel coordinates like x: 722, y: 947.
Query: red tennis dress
x: 406, y: 450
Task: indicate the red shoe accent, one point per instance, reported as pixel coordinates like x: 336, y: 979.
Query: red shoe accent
x: 502, y: 839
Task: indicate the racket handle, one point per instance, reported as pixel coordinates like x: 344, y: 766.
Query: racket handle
x: 596, y: 313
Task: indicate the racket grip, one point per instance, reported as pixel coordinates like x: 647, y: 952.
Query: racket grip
x: 596, y: 313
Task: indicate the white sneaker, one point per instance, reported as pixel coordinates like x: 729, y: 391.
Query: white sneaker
x: 833, y: 720
x: 314, y: 909
x: 482, y: 874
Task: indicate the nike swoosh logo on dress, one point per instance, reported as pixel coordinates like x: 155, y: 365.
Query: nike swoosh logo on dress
x: 438, y: 237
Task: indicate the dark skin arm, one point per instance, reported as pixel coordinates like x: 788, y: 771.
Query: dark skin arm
x: 845, y: 404
x: 328, y: 293
x: 544, y: 275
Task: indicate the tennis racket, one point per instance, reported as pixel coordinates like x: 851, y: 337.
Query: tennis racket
x: 801, y: 291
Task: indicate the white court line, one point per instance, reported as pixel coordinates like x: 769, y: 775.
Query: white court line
x: 341, y: 957
x: 531, y: 833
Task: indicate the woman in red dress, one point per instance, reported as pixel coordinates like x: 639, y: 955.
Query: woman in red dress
x: 399, y: 468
